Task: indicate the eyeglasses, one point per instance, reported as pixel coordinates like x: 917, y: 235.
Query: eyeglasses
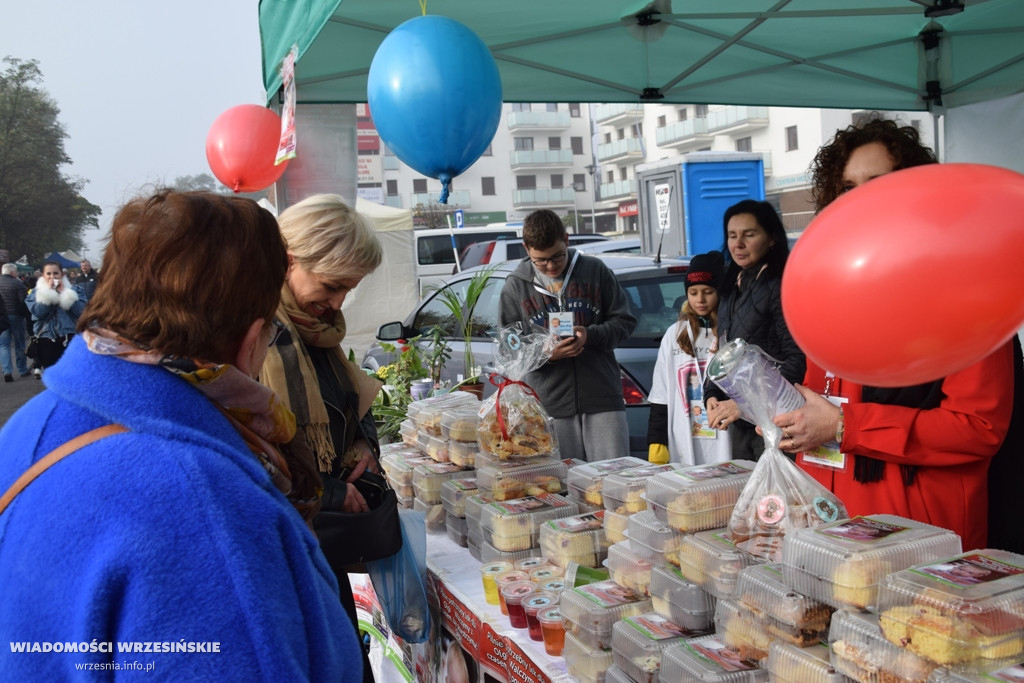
x: 276, y: 334
x: 553, y: 260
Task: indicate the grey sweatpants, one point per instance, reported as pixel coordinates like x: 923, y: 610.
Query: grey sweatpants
x: 593, y: 436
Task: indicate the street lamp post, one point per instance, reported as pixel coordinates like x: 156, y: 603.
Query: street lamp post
x: 592, y: 170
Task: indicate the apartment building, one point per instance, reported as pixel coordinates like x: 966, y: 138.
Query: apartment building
x: 580, y: 160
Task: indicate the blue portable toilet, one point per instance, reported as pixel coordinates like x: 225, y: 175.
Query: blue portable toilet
x: 682, y: 199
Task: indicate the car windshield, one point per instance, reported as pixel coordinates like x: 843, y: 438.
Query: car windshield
x: 655, y: 303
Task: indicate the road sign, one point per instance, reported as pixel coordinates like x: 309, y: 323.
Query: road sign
x: 459, y: 218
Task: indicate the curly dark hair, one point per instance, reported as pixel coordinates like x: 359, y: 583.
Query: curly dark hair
x: 903, y: 142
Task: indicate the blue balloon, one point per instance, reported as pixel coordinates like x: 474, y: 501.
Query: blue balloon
x: 435, y: 96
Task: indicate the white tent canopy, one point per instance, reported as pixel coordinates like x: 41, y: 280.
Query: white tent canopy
x: 388, y: 293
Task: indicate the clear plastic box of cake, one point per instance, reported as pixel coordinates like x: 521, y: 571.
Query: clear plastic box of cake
x: 629, y: 569
x: 965, y: 612
x: 463, y: 453
x: 436, y: 447
x: 427, y: 479
x: 488, y: 553
x: 742, y: 628
x: 457, y: 529
x: 474, y: 509
x: 860, y: 651
x: 710, y: 560
x: 680, y: 600
x: 585, y: 663
x: 433, y: 515
x: 590, y: 610
x: 454, y: 493
x: 785, y: 614
x: 652, y: 538
x: 843, y: 562
x: 473, y: 545
x: 410, y: 435
x: 616, y: 526
x: 707, y: 658
x: 700, y: 497
x: 584, y: 481
x: 616, y: 675
x: 513, y: 525
x: 788, y: 663
x: 624, y: 491
x: 638, y: 642
x: 579, y: 539
x: 427, y: 412
x: 517, y: 482
x: 403, y: 503
x: 460, y: 423
x: 399, y: 468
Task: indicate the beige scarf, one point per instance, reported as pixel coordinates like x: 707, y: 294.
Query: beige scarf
x: 289, y: 371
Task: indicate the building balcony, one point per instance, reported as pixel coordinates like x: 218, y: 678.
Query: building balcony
x: 457, y: 199
x: 394, y: 201
x: 733, y: 120
x: 618, y: 113
x: 621, y: 150
x: 538, y: 120
x: 540, y: 158
x: 684, y: 136
x: 390, y: 162
x: 620, y: 189
x: 766, y: 156
x: 543, y: 197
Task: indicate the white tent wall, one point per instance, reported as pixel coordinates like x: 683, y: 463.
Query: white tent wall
x: 388, y: 293
x: 990, y: 132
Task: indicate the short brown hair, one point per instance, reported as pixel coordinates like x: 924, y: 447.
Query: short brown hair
x: 543, y: 229
x: 186, y: 273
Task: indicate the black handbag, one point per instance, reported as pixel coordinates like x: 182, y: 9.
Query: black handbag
x: 353, y: 538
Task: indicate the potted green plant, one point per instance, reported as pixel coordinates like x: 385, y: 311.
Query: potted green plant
x: 461, y: 304
x: 392, y: 403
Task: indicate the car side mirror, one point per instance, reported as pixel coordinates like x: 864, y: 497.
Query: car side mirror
x: 393, y: 332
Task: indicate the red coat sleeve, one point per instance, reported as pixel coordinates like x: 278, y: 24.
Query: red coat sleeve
x: 968, y: 425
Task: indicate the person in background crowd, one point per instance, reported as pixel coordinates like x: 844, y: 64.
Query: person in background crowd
x: 678, y: 429
x: 921, y: 452
x: 12, y: 295
x: 750, y: 309
x: 331, y: 248
x: 86, y: 279
x: 184, y: 528
x: 55, y: 305
x: 580, y: 385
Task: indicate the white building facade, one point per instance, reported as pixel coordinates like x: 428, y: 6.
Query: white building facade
x: 579, y: 160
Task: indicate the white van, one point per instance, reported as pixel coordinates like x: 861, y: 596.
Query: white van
x: 435, y: 258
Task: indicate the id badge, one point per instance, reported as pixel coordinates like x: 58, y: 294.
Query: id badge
x: 699, y: 427
x: 827, y: 454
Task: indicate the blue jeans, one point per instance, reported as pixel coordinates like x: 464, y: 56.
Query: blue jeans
x: 17, y: 333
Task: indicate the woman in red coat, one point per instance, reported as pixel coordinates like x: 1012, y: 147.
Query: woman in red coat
x: 921, y: 452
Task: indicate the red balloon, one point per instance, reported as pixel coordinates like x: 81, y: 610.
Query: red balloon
x: 242, y: 145
x: 912, y: 276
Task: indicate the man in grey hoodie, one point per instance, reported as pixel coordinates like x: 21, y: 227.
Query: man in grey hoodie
x: 579, y: 386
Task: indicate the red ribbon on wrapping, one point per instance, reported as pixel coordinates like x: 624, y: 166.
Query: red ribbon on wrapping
x: 501, y: 384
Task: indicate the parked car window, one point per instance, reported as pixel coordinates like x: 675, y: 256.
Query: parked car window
x: 655, y: 302
x: 436, y: 314
x: 485, y: 315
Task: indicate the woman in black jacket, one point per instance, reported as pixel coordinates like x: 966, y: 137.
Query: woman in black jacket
x: 751, y: 309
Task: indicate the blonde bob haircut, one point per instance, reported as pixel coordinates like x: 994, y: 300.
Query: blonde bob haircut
x: 326, y: 236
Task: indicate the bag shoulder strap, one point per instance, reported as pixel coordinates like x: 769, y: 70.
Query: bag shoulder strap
x: 56, y: 455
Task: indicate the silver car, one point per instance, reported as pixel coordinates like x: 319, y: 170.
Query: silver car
x: 655, y: 291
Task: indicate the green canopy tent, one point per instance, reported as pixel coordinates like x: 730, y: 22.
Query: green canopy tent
x: 873, y: 54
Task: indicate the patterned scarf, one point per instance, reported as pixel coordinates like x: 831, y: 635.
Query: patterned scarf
x: 289, y: 372
x: 260, y: 417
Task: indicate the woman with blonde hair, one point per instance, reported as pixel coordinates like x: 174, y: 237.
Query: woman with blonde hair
x: 330, y: 248
x: 678, y: 429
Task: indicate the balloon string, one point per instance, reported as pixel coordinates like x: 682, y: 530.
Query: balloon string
x: 504, y: 382
x: 423, y: 6
x: 445, y: 187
